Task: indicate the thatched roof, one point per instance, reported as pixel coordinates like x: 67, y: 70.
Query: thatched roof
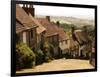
x: 23, y: 18
x: 81, y: 37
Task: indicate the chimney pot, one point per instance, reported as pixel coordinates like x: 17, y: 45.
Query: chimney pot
x: 31, y: 6
x: 29, y: 9
x: 26, y: 5
x: 23, y: 5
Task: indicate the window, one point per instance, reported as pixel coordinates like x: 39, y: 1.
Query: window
x: 19, y: 37
x: 31, y: 33
x: 55, y: 39
x: 66, y: 41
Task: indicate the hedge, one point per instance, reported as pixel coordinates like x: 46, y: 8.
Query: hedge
x: 25, y: 57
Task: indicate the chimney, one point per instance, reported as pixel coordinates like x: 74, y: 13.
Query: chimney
x: 32, y: 10
x: 25, y: 7
x: 29, y: 9
x: 48, y: 18
x: 72, y: 31
x: 58, y: 23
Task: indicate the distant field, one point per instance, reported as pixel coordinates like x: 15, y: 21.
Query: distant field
x: 79, y: 22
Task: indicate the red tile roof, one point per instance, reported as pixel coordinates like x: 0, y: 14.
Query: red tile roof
x: 40, y: 28
x: 53, y: 29
x: 19, y: 27
x: 50, y: 30
x: 60, y: 31
x: 22, y: 16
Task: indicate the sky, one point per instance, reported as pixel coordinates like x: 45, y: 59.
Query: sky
x: 86, y: 13
x: 64, y: 11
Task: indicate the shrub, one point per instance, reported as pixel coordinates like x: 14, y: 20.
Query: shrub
x: 48, y: 52
x: 25, y: 57
x: 39, y: 57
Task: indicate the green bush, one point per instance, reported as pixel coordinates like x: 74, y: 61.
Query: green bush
x: 25, y: 57
x: 39, y: 57
x: 49, y: 53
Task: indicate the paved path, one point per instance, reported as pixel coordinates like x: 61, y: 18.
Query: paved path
x: 60, y: 64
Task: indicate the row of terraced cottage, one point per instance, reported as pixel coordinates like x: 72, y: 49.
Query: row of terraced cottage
x: 42, y: 34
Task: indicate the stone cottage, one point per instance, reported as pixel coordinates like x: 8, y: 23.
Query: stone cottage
x: 28, y: 35
x: 84, y: 42
x: 51, y: 35
x: 40, y: 29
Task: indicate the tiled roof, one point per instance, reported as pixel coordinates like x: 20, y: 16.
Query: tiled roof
x: 22, y: 16
x: 40, y: 28
x: 50, y: 30
x: 60, y: 31
x: 53, y: 29
x: 19, y: 27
